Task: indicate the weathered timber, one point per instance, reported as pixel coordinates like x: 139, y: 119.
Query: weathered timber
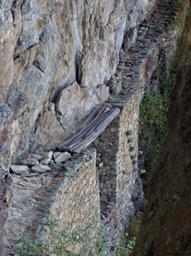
x: 77, y: 133
x: 98, y: 130
x: 96, y: 123
x: 86, y: 130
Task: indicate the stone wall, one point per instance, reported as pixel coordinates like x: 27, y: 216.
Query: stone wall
x: 67, y: 193
x: 55, y: 63
x: 120, y: 185
x: 129, y: 194
x: 166, y: 226
x: 77, y: 201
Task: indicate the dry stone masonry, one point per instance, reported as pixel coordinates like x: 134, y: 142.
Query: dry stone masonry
x: 167, y: 215
x: 66, y: 192
x: 69, y: 111
x: 120, y: 184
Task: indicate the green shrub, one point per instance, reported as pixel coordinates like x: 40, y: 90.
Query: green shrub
x: 153, y: 118
x: 126, y: 245
x: 62, y: 243
x: 59, y: 242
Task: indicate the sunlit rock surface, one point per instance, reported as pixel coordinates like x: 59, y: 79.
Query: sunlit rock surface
x: 46, y: 46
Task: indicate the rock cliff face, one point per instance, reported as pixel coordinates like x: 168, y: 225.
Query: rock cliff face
x: 56, y: 60
x: 59, y: 60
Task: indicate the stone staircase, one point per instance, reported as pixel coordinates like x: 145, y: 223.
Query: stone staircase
x: 152, y: 34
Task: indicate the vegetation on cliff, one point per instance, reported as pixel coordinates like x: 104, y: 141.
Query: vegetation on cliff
x: 167, y: 222
x: 153, y: 119
x: 155, y: 105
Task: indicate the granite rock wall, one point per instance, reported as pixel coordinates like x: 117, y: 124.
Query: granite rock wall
x: 46, y: 46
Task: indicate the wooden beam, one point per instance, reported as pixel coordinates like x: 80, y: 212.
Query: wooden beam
x: 94, y: 125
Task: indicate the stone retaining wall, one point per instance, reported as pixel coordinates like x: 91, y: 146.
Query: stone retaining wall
x: 68, y: 193
x: 127, y: 193
x: 77, y: 201
x: 120, y: 185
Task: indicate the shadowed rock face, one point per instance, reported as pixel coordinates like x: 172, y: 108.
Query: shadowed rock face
x: 167, y: 223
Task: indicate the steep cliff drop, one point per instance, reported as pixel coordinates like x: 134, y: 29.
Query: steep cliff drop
x: 166, y: 227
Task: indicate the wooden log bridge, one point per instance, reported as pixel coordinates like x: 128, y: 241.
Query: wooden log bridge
x: 94, y: 125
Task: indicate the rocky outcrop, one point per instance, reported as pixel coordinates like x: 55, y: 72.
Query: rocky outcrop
x: 47, y: 46
x: 75, y: 103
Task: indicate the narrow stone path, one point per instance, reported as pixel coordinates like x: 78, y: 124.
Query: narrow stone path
x: 153, y: 33
x: 119, y: 174
x: 45, y: 171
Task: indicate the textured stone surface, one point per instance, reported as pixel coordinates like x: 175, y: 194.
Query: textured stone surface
x: 5, y: 197
x: 76, y: 102
x: 40, y: 168
x: 61, y: 61
x: 61, y: 157
x: 129, y: 190
x: 77, y: 200
x: 46, y: 46
x: 120, y: 185
x: 19, y: 169
x: 68, y: 194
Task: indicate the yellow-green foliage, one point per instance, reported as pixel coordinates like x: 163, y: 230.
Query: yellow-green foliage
x: 154, y: 107
x: 62, y: 243
x: 153, y: 117
x: 126, y: 245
